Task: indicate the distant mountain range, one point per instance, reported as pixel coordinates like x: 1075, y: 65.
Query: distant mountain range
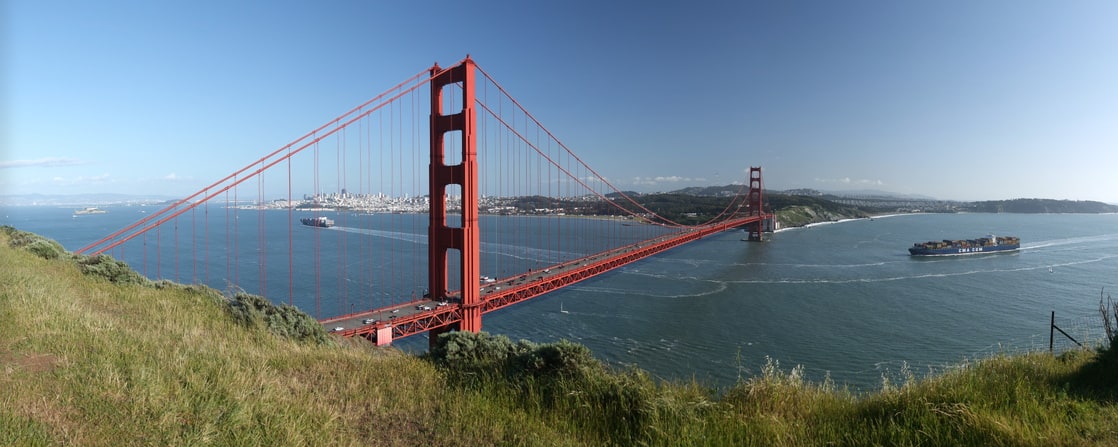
x: 994, y: 206
x: 1039, y: 206
x: 730, y: 190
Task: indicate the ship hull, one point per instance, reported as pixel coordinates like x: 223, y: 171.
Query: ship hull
x: 961, y: 251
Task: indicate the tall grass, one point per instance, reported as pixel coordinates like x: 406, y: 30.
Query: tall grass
x: 85, y: 360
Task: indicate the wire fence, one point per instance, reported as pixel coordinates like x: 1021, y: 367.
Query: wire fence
x: 1076, y: 332
x: 1065, y: 333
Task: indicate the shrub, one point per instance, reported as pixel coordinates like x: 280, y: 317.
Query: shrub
x: 40, y: 246
x: 563, y: 377
x: 282, y: 320
x: 46, y: 249
x: 556, y: 360
x: 116, y: 272
x: 467, y: 356
x: 1109, y: 318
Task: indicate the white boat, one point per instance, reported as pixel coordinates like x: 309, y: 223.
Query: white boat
x: 89, y: 210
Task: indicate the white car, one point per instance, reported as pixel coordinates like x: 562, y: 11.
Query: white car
x: 338, y: 329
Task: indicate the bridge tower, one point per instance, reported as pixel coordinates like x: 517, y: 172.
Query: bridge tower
x: 756, y: 201
x: 443, y: 237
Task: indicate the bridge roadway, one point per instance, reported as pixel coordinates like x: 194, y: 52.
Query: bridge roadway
x: 402, y: 320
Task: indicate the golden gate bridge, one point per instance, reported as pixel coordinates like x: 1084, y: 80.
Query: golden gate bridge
x: 437, y: 201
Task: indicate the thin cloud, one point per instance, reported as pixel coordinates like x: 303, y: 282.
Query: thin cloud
x: 176, y: 178
x: 83, y: 180
x: 48, y: 162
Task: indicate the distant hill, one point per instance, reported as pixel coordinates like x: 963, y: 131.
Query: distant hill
x: 729, y: 190
x: 798, y: 210
x: 804, y: 206
x: 1038, y: 206
x: 877, y: 194
x: 712, y: 191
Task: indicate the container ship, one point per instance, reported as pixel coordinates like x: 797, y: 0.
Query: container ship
x: 321, y: 221
x: 988, y: 244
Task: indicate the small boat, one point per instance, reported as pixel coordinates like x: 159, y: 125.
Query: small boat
x: 320, y: 221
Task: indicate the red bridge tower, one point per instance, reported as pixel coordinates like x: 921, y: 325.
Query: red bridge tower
x: 443, y: 237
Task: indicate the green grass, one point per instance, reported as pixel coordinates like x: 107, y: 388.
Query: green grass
x: 88, y: 361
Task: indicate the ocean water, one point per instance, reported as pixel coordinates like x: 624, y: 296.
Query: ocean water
x: 842, y: 300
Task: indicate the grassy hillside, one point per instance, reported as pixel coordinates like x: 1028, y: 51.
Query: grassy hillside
x: 88, y: 361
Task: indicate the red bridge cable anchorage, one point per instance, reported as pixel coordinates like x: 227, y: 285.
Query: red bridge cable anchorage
x: 421, y: 82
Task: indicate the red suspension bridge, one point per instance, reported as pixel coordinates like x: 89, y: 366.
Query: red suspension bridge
x: 354, y: 224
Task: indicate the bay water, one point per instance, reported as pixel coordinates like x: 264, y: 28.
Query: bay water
x: 842, y: 300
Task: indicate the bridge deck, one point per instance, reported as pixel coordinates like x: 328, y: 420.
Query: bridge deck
x: 424, y: 314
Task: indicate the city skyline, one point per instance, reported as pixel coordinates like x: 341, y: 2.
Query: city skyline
x: 955, y: 101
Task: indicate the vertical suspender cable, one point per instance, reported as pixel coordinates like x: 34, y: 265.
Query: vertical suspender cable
x: 194, y: 245
x: 206, y: 237
x: 340, y: 175
x: 290, y: 238
x: 380, y: 190
x: 260, y: 229
x: 176, y: 252
x: 317, y: 242
x: 236, y: 237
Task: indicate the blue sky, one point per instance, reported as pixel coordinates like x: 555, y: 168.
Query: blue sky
x: 957, y: 100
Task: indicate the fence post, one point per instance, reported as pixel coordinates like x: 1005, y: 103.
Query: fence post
x: 1052, y: 327
x: 1051, y: 332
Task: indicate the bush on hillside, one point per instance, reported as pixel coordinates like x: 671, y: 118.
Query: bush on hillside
x: 40, y: 246
x: 282, y: 320
x: 46, y: 249
x: 112, y: 270
x: 563, y: 376
x: 1109, y: 318
x: 559, y: 360
x: 470, y: 355
x: 496, y: 355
